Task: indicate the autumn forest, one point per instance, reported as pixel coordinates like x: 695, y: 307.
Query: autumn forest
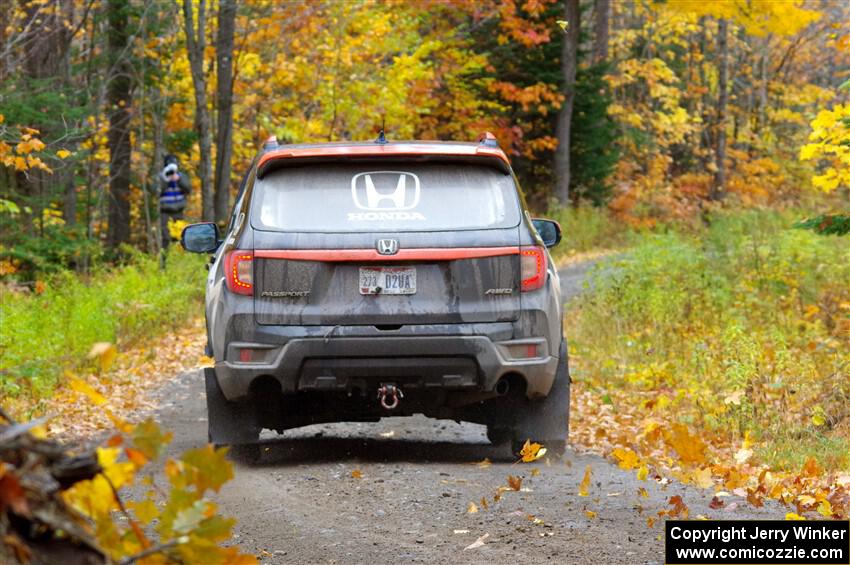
x: 696, y: 154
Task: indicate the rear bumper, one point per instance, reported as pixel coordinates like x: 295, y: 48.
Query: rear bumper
x: 342, y: 362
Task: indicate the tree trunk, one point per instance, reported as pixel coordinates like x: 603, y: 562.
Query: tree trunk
x: 195, y: 47
x: 224, y: 131
x: 600, y: 30
x: 118, y: 98
x: 569, y: 61
x: 718, y: 188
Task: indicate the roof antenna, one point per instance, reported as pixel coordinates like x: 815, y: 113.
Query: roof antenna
x: 382, y: 139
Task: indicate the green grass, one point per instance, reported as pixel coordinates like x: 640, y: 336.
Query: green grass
x: 42, y: 336
x: 586, y: 228
x: 792, y: 450
x: 742, y: 327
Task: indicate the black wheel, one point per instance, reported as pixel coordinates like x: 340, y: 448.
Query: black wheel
x: 547, y: 421
x: 249, y: 453
x: 499, y: 435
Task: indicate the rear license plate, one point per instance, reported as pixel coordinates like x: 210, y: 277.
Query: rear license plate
x: 387, y: 280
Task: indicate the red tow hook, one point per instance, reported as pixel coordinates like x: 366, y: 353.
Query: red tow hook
x: 389, y: 396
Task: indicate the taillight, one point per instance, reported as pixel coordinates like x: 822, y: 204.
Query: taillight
x: 533, y: 267
x: 239, y: 268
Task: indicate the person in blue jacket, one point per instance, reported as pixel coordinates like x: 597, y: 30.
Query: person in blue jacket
x: 173, y: 196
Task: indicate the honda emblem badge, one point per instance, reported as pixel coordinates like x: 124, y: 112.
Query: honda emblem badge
x: 387, y: 246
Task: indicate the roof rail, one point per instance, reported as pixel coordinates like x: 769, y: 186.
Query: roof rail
x: 487, y: 139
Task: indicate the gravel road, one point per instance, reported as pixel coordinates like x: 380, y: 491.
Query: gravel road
x: 301, y: 504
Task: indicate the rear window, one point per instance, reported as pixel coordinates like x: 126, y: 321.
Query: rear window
x: 385, y: 197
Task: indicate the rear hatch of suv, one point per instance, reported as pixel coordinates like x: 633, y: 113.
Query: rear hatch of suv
x: 385, y: 244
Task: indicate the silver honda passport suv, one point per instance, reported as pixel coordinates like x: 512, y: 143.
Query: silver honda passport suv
x: 362, y: 280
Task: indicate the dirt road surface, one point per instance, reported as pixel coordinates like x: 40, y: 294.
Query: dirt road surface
x: 301, y: 504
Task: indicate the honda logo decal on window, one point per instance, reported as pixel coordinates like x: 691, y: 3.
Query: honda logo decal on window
x: 387, y: 246
x: 385, y: 195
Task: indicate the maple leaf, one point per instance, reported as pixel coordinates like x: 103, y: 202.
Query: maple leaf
x: 691, y: 448
x: 531, y: 451
x: 811, y: 468
x: 105, y: 353
x: 626, y: 458
x: 515, y: 483
x: 149, y: 439
x: 83, y: 387
x: 825, y: 509
x: 585, y: 482
x: 680, y: 509
x: 702, y: 478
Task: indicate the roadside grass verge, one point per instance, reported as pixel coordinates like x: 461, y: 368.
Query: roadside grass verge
x: 739, y: 333
x: 45, y: 334
x: 588, y: 230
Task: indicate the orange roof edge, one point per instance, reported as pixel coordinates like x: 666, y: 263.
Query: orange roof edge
x: 397, y: 149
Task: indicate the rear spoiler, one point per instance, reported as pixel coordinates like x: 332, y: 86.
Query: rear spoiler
x: 485, y: 152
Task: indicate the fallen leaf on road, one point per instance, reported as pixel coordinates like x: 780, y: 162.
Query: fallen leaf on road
x: 642, y: 492
x: 531, y: 451
x: 484, y: 503
x: 477, y: 543
x: 356, y: 474
x: 471, y: 508
x: 691, y: 448
x: 793, y: 516
x: 642, y: 473
x: 590, y: 514
x: 626, y: 458
x: 716, y: 503
x: 535, y: 472
x: 702, y: 478
x: 514, y: 482
x: 483, y: 464
x: 585, y: 482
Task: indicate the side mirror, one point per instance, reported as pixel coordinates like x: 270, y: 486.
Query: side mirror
x: 549, y: 230
x: 200, y: 238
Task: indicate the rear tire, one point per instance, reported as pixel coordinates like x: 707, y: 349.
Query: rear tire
x: 499, y: 435
x: 547, y: 421
x: 249, y: 453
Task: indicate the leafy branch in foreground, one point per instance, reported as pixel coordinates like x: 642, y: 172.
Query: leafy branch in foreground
x: 60, y: 505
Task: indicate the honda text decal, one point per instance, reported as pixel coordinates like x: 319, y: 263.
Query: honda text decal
x: 385, y: 195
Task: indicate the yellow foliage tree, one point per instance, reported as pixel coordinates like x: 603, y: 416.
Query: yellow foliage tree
x: 830, y: 143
